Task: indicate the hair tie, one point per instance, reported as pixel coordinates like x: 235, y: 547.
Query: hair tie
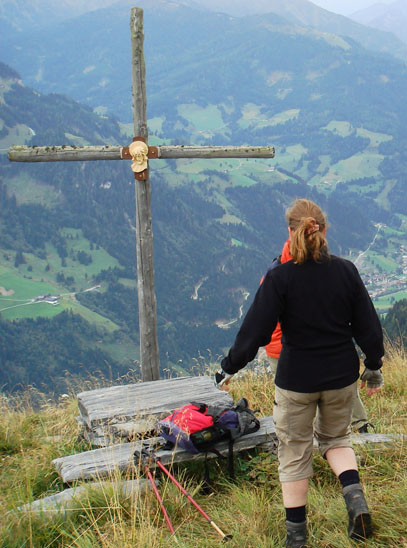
x: 313, y: 228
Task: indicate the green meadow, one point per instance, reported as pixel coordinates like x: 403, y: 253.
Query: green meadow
x: 289, y: 157
x: 357, y: 166
x: 22, y: 288
x: 17, y: 293
x: 20, y: 304
x: 375, y: 138
x: 29, y: 191
x: 240, y: 172
x: 77, y: 140
x: 345, y: 128
x: 342, y: 128
x: 238, y: 243
x: 37, y: 277
x: 254, y: 117
x: 20, y: 134
x: 206, y: 120
x: 385, y: 302
x: 384, y: 262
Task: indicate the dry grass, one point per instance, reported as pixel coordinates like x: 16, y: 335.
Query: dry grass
x: 35, y: 429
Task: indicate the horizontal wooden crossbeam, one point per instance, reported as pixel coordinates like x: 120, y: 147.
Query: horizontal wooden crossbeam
x: 67, y: 153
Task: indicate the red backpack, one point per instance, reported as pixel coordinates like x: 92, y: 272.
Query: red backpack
x: 197, y: 426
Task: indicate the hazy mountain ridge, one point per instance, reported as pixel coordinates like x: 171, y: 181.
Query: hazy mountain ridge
x: 83, y: 63
x: 385, y: 17
x: 43, y: 13
x: 19, y: 16
x: 307, y: 13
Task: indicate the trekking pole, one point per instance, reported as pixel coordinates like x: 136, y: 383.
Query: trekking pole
x: 225, y: 538
x: 156, y: 492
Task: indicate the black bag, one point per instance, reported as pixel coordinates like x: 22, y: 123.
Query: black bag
x: 198, y: 427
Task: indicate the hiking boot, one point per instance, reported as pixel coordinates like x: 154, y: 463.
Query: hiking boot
x: 296, y: 534
x: 359, y: 518
x: 364, y: 429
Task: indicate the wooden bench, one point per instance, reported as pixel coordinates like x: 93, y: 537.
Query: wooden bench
x: 108, y: 415
x: 105, y: 462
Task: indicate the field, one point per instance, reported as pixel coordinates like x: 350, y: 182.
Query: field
x: 20, y: 134
x: 27, y: 191
x: 36, y: 429
x: 382, y: 304
x: 252, y: 115
x: 36, y: 277
x: 205, y: 120
x: 356, y: 167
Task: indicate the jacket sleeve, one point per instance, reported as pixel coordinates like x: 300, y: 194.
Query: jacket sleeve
x: 257, y: 327
x: 366, y: 328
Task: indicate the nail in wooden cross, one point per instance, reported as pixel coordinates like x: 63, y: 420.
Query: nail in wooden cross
x: 139, y: 152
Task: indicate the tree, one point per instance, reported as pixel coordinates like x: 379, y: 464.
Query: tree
x: 19, y: 259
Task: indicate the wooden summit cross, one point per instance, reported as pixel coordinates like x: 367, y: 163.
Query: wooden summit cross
x: 139, y: 152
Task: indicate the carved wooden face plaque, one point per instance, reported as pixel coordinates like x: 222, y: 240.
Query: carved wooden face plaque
x: 138, y: 151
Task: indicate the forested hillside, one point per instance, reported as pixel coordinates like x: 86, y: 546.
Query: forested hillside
x: 395, y: 322
x: 334, y: 111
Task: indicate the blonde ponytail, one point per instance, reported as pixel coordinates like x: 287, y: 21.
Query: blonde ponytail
x: 308, y: 223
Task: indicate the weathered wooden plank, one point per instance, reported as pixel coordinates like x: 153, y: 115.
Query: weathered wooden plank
x: 63, y: 502
x: 104, y: 462
x: 98, y: 437
x: 104, y: 435
x: 377, y: 438
x: 65, y: 153
x: 207, y: 152
x: 141, y: 402
x: 149, y: 356
x: 68, y: 153
x: 133, y: 429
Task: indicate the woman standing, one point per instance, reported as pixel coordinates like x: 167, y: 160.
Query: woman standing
x: 322, y: 306
x: 359, y: 420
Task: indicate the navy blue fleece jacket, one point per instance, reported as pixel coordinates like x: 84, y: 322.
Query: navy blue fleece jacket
x: 323, y: 308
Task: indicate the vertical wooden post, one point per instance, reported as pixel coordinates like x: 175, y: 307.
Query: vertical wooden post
x: 150, y: 364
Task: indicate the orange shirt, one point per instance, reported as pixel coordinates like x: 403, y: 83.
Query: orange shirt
x: 273, y: 348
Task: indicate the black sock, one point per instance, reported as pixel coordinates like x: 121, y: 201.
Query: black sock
x: 296, y: 515
x: 349, y: 477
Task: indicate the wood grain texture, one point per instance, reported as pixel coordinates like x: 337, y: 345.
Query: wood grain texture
x: 141, y: 402
x: 68, y: 153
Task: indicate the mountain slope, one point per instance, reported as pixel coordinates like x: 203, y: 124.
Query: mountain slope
x: 334, y: 111
x: 67, y: 229
x: 305, y: 12
x: 19, y: 16
x: 84, y: 63
x: 385, y: 17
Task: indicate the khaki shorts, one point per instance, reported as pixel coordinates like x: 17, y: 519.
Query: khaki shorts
x: 294, y: 415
